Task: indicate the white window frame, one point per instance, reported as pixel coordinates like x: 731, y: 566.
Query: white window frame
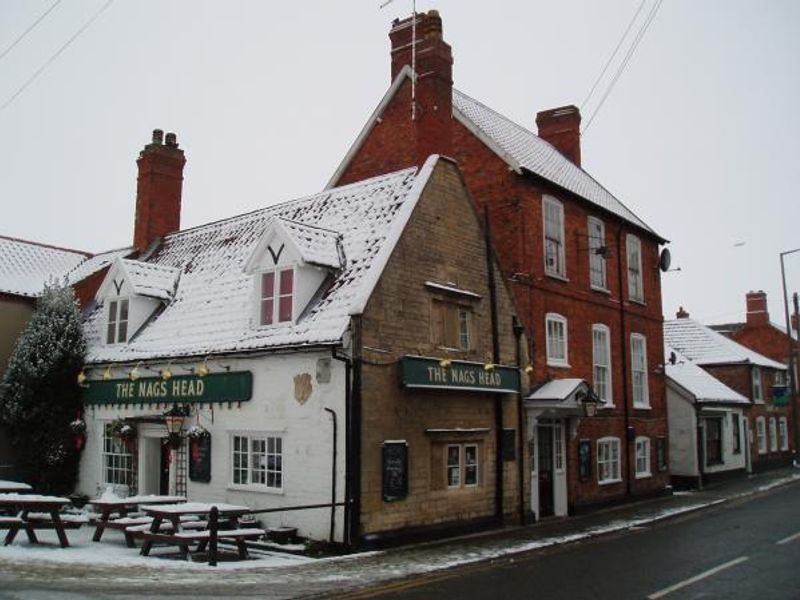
x: 275, y: 297
x: 758, y: 388
x: 761, y: 435
x: 640, y: 389
x: 117, y: 328
x: 269, y: 476
x: 783, y: 432
x: 463, y: 467
x: 117, y: 459
x: 598, y: 276
x: 606, y: 395
x: 773, y: 434
x: 553, y: 236
x: 643, y: 457
x: 608, y: 460
x: 552, y: 341
x: 633, y: 252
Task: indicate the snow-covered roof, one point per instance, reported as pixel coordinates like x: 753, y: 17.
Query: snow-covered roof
x: 523, y: 149
x: 704, y: 346
x: 520, y: 148
x: 152, y: 280
x: 25, y: 267
x: 556, y: 389
x: 317, y: 245
x: 212, y: 309
x: 697, y: 382
x: 96, y: 263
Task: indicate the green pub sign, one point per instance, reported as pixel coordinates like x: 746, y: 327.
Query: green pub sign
x: 217, y: 387
x: 416, y: 372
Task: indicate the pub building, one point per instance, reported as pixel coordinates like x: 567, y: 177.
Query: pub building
x: 354, y: 351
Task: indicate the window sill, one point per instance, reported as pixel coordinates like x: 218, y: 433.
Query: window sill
x: 601, y: 290
x: 606, y: 406
x: 557, y: 277
x: 637, y: 301
x: 642, y: 407
x: 559, y: 365
x: 609, y: 481
x: 255, y: 488
x: 643, y: 475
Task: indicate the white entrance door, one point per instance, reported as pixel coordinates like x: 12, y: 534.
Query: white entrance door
x: 547, y: 448
x: 559, y: 469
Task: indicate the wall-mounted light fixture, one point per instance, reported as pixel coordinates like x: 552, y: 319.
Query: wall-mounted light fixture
x: 107, y: 373
x: 134, y: 374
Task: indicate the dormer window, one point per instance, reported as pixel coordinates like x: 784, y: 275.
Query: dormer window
x: 277, y: 301
x: 117, y: 328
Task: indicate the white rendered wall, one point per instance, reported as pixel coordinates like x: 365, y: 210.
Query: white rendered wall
x: 682, y: 435
x: 304, y: 425
x: 730, y: 460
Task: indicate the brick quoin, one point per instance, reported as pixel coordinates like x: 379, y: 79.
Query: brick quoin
x: 514, y: 203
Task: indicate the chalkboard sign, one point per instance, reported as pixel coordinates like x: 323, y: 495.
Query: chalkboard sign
x: 585, y: 459
x: 661, y: 453
x: 200, y: 458
x: 395, y: 471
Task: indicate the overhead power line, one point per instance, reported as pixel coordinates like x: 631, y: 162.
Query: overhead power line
x: 29, y: 29
x: 58, y: 52
x: 628, y: 55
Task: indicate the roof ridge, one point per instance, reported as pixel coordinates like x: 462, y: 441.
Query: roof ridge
x: 43, y: 245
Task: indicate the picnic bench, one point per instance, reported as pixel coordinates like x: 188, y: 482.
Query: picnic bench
x: 222, y: 519
x: 108, y: 505
x: 35, y: 512
x: 7, y: 487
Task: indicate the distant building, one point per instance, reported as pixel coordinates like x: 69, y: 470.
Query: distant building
x: 583, y: 268
x: 25, y: 268
x: 707, y: 424
x: 758, y: 378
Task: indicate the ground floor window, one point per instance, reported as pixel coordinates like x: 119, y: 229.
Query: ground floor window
x: 784, y: 435
x: 257, y: 460
x: 773, y: 435
x: 462, y: 465
x: 737, y: 434
x: 713, y: 441
x: 643, y: 457
x: 608, y: 469
x: 117, y: 459
x: 761, y: 435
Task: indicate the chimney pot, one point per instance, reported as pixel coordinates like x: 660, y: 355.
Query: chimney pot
x: 682, y: 314
x: 172, y: 140
x: 158, y: 136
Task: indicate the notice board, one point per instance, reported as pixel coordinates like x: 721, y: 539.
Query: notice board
x: 395, y: 471
x: 200, y: 458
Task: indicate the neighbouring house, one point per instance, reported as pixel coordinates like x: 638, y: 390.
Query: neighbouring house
x: 759, y: 333
x: 25, y: 268
x: 583, y: 268
x: 706, y: 424
x: 747, y: 372
x: 356, y: 349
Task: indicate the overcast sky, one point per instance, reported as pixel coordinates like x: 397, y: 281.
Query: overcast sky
x: 700, y: 135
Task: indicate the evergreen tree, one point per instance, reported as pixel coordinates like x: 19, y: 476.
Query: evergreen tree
x: 40, y: 395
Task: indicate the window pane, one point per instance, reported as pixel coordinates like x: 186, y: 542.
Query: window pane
x: 267, y: 309
x: 453, y: 466
x: 267, y: 285
x: 285, y: 308
x: 463, y: 329
x: 287, y: 281
x: 123, y: 310
x: 123, y: 331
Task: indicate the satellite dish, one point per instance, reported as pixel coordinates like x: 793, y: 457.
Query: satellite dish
x: 665, y: 260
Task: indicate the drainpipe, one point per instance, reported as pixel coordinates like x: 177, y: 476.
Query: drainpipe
x: 518, y: 331
x: 498, y: 398
x: 355, y: 436
x: 333, y: 474
x: 624, y: 355
x: 348, y: 474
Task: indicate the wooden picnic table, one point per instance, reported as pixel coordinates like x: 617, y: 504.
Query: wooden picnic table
x: 8, y: 487
x: 122, y: 506
x: 33, y: 503
x: 173, y: 513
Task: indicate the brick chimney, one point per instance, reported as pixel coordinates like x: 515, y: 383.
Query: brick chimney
x: 682, y: 314
x: 757, y: 314
x: 433, y: 114
x: 158, y: 190
x: 561, y: 127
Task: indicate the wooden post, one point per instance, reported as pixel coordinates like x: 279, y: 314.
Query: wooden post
x: 213, y: 526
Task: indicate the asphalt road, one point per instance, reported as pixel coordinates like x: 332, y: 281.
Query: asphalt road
x: 748, y: 549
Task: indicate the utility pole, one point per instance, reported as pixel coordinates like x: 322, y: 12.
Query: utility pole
x: 792, y: 358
